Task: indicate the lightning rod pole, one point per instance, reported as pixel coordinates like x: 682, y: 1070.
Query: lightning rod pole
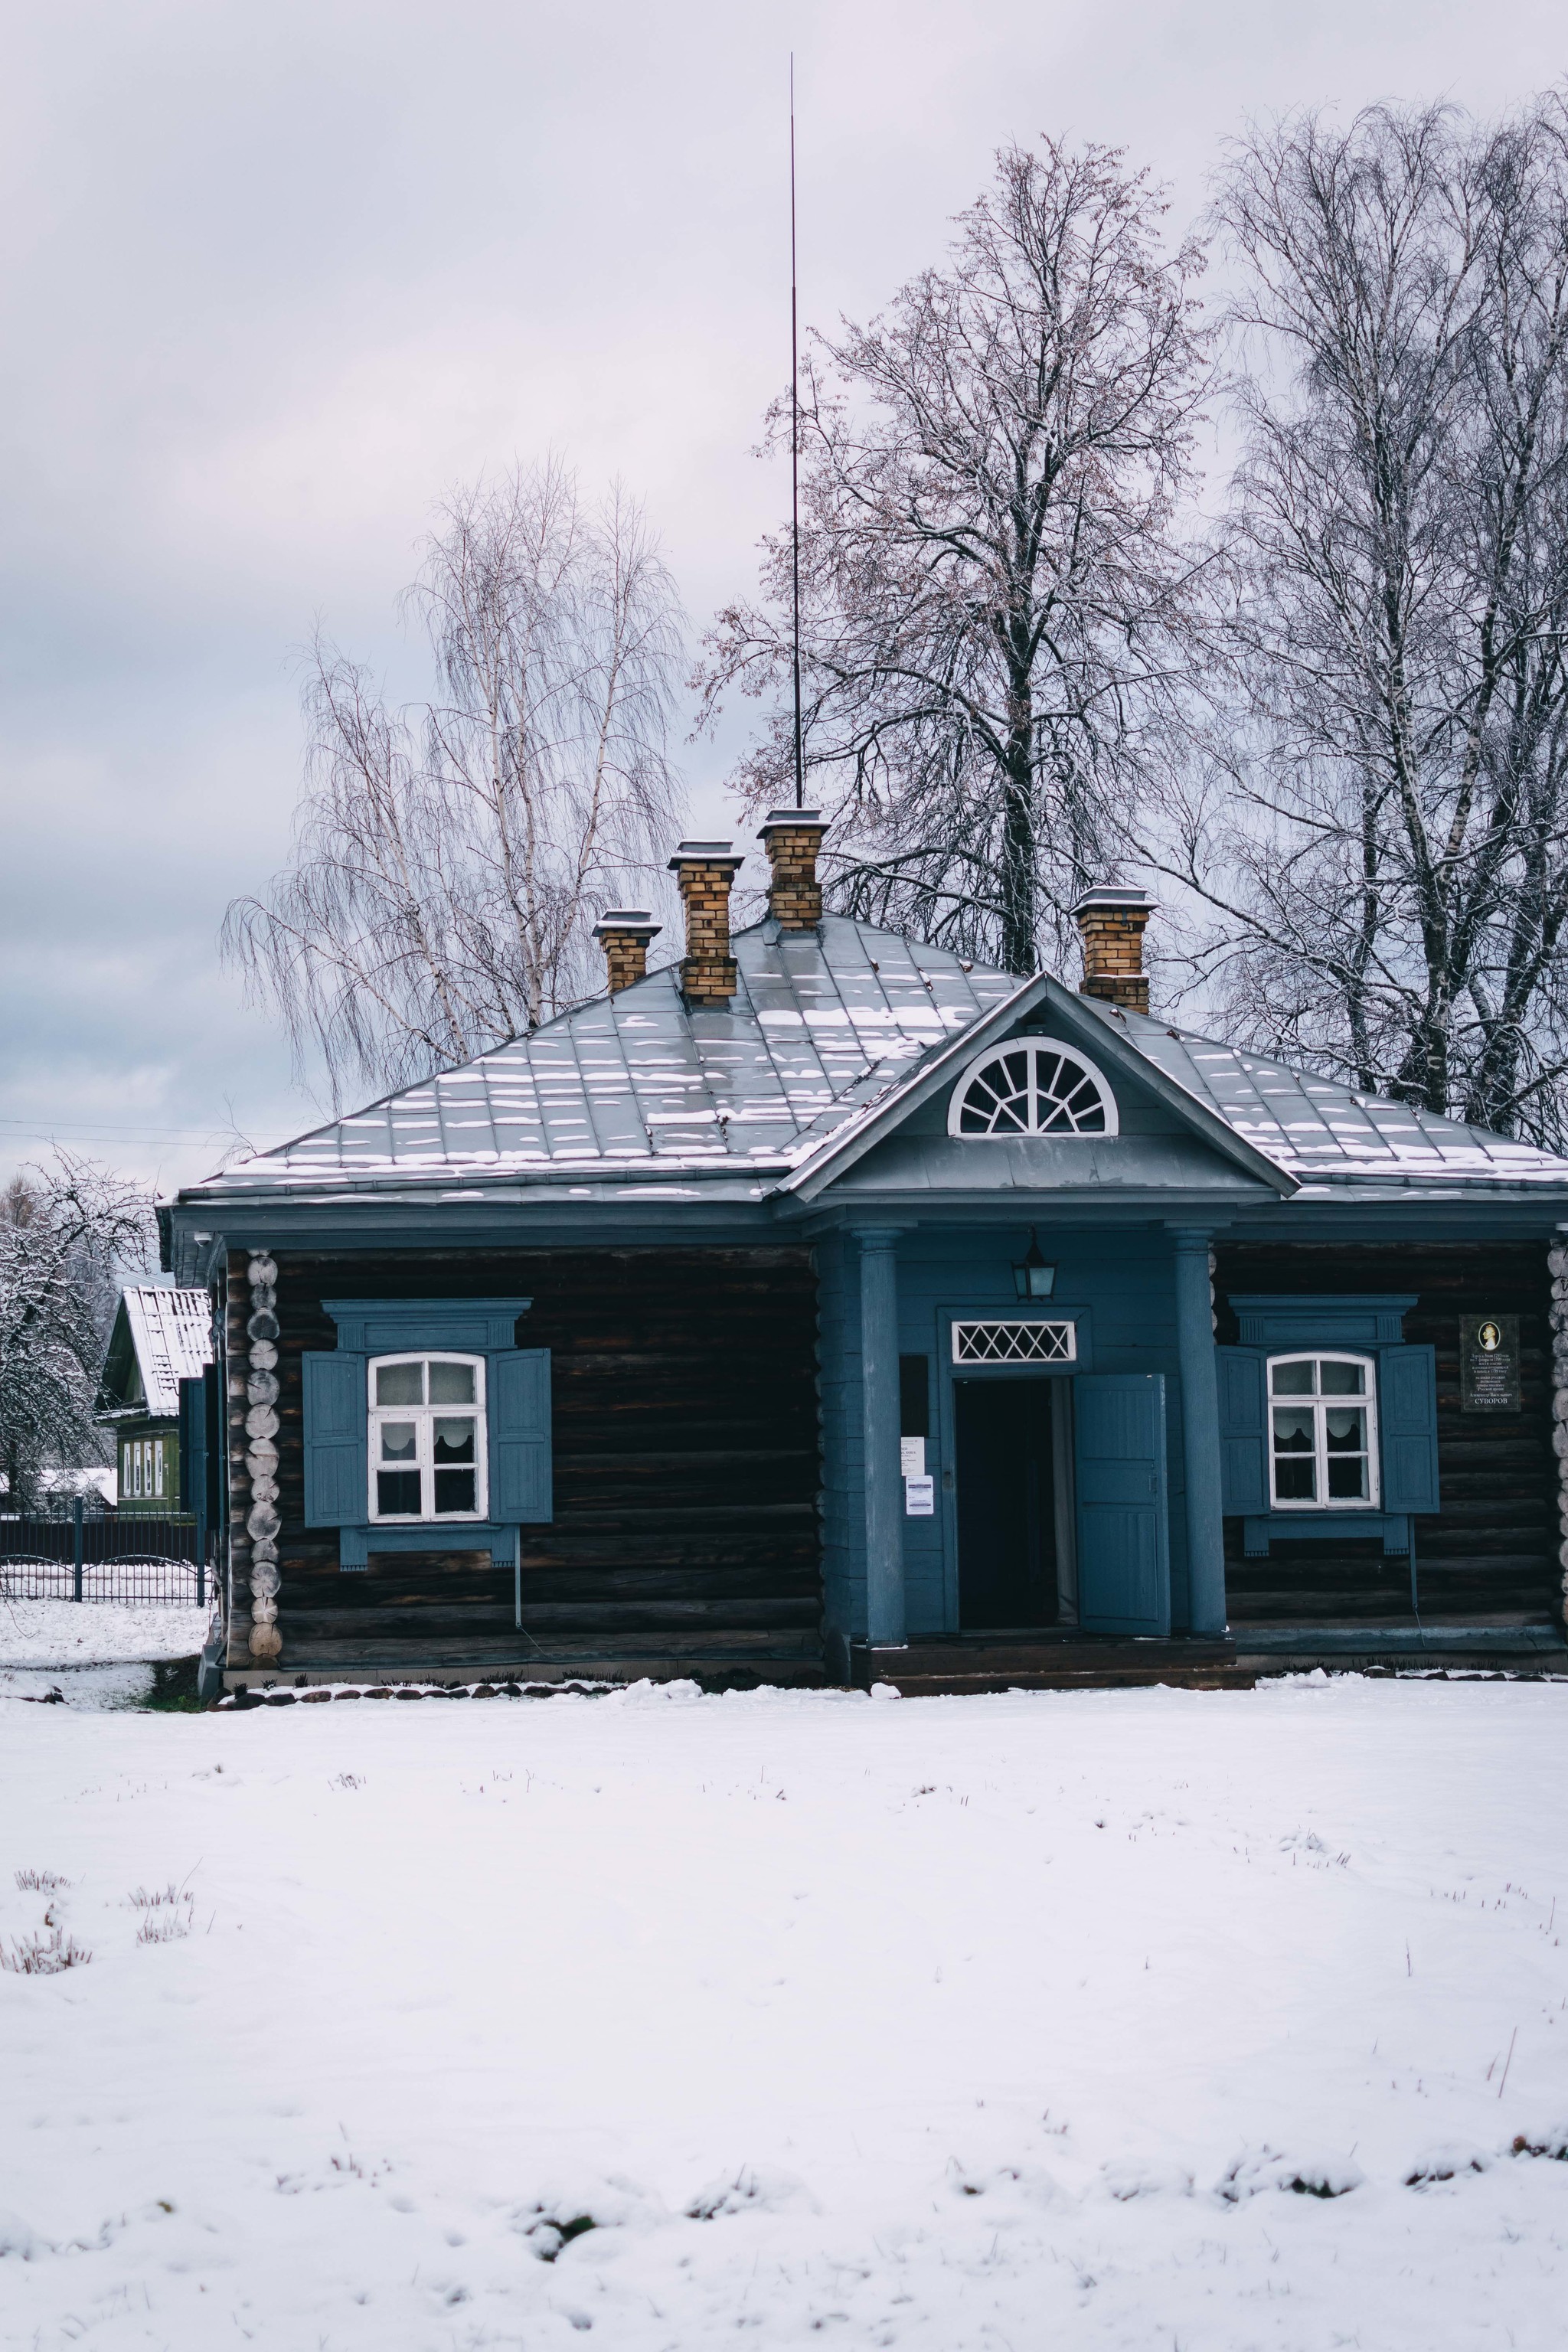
x: 794, y: 452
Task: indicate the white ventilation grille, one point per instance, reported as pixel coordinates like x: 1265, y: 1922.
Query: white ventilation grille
x: 1014, y: 1343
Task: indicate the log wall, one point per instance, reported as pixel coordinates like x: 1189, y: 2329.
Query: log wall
x: 1489, y: 1556
x: 685, y: 1536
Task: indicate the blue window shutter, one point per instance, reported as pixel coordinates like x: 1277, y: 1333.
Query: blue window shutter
x: 1407, y: 1420
x: 1243, y: 1429
x: 336, y: 1420
x: 193, y: 1447
x: 1123, y: 1535
x: 521, y: 1482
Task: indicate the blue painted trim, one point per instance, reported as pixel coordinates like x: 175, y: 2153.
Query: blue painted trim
x: 389, y: 1326
x: 885, y: 1598
x: 1331, y: 1318
x: 1200, y: 1433
x: 1325, y: 1527
x: 355, y: 1544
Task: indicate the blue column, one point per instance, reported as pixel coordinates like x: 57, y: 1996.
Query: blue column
x: 1200, y: 1433
x: 880, y: 1406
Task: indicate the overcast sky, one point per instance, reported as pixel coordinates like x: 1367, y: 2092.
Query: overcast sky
x: 277, y: 276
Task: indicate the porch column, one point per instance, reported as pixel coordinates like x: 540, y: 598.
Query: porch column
x: 879, y: 1424
x: 1200, y: 1433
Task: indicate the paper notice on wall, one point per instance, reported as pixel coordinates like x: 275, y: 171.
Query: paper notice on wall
x: 911, y: 1457
x: 919, y: 1498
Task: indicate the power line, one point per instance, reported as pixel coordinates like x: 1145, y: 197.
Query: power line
x: 21, y: 1131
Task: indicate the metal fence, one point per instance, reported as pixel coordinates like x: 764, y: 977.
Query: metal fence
x: 106, y: 1556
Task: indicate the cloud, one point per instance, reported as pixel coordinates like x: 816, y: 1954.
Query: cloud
x: 276, y: 278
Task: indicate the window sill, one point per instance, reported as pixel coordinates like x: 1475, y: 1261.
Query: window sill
x: 1324, y: 1525
x: 355, y: 1544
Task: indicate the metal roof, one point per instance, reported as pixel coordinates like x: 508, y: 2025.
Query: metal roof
x: 1317, y: 1128
x: 634, y: 1083
x: 170, y: 1332
x: 823, y: 1028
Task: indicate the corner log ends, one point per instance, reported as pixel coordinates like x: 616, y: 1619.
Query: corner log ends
x: 258, y: 1376
x: 1557, y: 1265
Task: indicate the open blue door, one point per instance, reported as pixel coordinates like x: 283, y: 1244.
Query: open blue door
x: 1123, y: 1532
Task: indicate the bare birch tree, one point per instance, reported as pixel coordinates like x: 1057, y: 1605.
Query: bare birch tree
x: 1382, y: 830
x: 67, y: 1234
x: 997, y: 605
x: 450, y: 861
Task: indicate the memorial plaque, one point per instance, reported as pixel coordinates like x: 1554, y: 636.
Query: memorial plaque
x: 1489, y: 1363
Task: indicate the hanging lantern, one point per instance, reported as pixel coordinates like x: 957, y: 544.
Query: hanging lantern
x: 1033, y: 1277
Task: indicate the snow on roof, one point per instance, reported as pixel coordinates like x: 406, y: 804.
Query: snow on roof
x: 170, y: 1332
x: 818, y: 1028
x: 1318, y: 1128
x: 822, y: 1028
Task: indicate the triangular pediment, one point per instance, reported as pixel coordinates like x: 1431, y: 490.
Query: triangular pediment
x: 1148, y: 1135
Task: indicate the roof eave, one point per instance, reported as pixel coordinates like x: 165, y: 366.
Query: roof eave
x: 324, y: 1187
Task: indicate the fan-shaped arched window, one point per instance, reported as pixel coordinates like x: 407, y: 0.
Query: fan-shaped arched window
x: 1034, y: 1085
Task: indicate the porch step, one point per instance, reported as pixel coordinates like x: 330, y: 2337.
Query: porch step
x: 952, y: 1667
x: 534, y: 1673
x: 1532, y: 1647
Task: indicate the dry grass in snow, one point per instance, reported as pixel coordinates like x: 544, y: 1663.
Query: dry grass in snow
x: 97, y: 1633
x: 1143, y: 2018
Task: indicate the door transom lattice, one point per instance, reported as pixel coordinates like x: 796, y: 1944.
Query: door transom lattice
x: 1014, y: 1343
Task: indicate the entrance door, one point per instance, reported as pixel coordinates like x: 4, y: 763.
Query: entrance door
x: 1007, y: 1505
x: 1123, y: 1538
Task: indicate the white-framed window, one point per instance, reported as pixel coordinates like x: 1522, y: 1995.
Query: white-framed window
x: 1033, y: 1086
x: 143, y: 1459
x: 427, y: 1437
x: 1323, y: 1433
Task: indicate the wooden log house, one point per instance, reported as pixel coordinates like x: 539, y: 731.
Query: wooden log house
x: 825, y: 1308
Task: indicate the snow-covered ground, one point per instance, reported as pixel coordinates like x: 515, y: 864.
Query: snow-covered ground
x: 942, y: 2025
x: 96, y: 1633
x: 94, y: 1687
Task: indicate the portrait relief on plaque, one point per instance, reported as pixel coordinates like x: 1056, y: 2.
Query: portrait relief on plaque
x: 1489, y: 1363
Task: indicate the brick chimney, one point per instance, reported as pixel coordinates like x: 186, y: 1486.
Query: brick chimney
x: 793, y: 837
x: 704, y: 871
x: 626, y: 933
x: 1112, y: 921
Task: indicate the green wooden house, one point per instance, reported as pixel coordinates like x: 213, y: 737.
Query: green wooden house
x: 160, y: 1337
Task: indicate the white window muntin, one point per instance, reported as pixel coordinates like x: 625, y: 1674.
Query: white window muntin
x: 1004, y: 1340
x: 1031, y: 1086
x: 1322, y: 1432
x: 144, y: 1462
x: 428, y: 1457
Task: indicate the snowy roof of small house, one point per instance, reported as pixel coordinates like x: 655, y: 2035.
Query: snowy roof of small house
x: 170, y: 1332
x: 823, y: 1030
